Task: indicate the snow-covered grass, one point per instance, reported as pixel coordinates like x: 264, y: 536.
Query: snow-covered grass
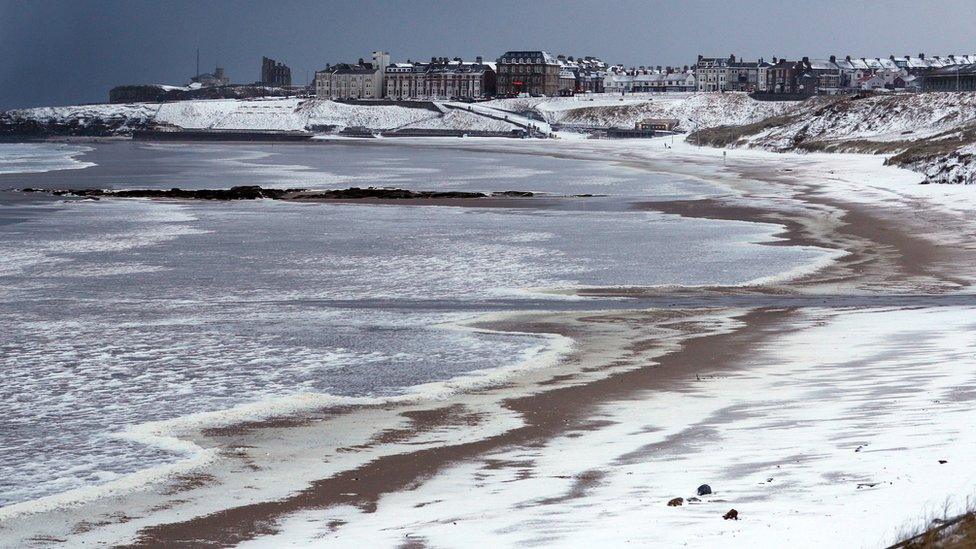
x: 931, y: 133
x: 693, y: 110
x: 377, y: 117
x: 463, y: 120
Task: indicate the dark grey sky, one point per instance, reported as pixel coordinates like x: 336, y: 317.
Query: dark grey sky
x: 57, y: 52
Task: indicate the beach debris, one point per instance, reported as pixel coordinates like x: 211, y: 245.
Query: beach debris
x: 858, y: 449
x: 731, y: 515
x: 866, y: 485
x: 770, y: 479
x: 704, y: 490
x: 676, y: 502
x: 943, y: 461
x: 693, y: 500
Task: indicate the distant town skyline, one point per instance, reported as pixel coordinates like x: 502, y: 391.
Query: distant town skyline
x: 59, y: 52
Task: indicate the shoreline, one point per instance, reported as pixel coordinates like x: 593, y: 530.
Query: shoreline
x: 552, y: 408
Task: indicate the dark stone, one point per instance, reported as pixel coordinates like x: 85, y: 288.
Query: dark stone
x: 731, y: 515
x: 676, y: 502
x: 355, y: 193
x: 243, y: 192
x: 252, y: 192
x: 704, y: 490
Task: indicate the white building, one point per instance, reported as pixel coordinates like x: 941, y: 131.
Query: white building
x: 710, y: 73
x: 353, y: 81
x: 618, y: 82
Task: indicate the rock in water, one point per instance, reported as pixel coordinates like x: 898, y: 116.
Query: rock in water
x: 731, y: 515
x: 676, y: 502
x: 704, y: 490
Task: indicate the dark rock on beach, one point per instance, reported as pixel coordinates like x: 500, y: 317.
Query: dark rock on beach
x: 704, y: 490
x: 244, y: 192
x: 252, y: 192
x: 676, y: 502
x: 731, y: 515
x: 356, y: 193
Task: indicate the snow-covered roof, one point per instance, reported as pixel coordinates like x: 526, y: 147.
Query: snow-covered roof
x: 822, y: 65
x: 528, y: 57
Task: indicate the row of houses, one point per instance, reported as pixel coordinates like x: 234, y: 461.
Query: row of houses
x: 831, y: 76
x: 539, y: 73
x: 515, y: 72
x: 668, y: 79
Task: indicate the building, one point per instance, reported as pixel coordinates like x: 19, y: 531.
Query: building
x: 650, y: 79
x: 741, y: 75
x: 533, y: 72
x: 567, y: 82
x: 440, y: 79
x: 658, y: 124
x: 791, y: 77
x: 359, y: 80
x: 208, y: 80
x: 827, y: 73
x: 274, y: 73
x: 347, y: 81
x: 588, y: 73
x: 381, y: 60
x: 762, y: 75
x: 951, y: 78
x: 618, y: 81
x: 710, y: 73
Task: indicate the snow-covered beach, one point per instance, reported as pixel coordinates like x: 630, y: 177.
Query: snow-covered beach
x: 861, y: 357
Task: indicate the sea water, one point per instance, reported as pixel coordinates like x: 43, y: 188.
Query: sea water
x: 115, y: 312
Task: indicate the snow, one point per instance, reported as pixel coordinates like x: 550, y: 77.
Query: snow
x: 813, y: 442
x: 377, y: 117
x: 463, y: 120
x: 694, y: 110
x: 130, y: 114
x: 877, y: 118
x: 893, y: 122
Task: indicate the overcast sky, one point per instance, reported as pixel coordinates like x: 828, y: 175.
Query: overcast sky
x: 58, y: 52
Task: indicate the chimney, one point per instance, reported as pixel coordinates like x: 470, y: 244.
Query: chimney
x: 921, y: 56
x: 892, y: 57
x: 848, y: 58
x: 806, y: 59
x: 833, y: 58
x: 479, y: 60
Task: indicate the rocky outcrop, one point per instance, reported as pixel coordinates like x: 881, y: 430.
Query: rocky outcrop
x: 244, y: 192
x: 356, y: 193
x: 252, y: 192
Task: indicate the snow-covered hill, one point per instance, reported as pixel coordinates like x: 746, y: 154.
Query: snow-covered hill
x: 932, y: 133
x: 78, y: 120
x: 236, y: 114
x: 693, y: 110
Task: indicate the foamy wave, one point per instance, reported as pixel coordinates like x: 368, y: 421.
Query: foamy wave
x: 172, y: 435
x: 41, y: 157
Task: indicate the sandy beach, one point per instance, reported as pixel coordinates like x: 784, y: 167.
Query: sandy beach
x: 819, y: 405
